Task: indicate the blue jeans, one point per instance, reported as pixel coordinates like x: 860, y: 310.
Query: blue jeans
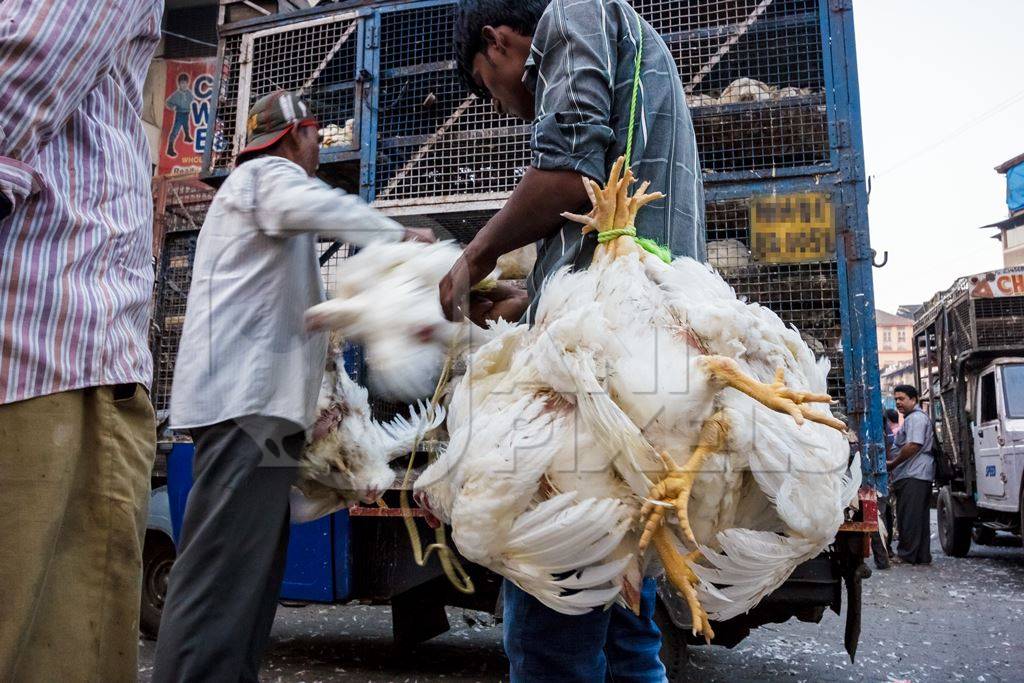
x: 604, y: 645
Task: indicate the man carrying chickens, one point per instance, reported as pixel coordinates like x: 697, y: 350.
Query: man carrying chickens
x: 245, y: 386
x: 582, y: 71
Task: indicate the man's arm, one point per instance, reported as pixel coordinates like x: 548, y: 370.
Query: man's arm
x: 533, y: 212
x: 916, y: 427
x: 51, y: 55
x: 288, y: 202
x: 908, y: 451
x: 572, y: 132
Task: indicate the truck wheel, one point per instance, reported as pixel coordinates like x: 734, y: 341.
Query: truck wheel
x: 674, y: 650
x: 954, y: 532
x: 157, y: 558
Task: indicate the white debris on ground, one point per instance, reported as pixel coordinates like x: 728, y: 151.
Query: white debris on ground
x: 957, y: 620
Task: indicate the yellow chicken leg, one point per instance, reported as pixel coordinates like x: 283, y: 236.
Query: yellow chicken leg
x: 679, y: 573
x: 776, y: 395
x: 676, y: 486
x: 614, y: 209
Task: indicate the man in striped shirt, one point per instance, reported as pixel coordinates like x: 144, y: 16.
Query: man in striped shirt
x: 568, y: 66
x: 77, y: 436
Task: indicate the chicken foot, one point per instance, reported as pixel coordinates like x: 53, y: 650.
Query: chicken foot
x: 678, y: 482
x: 614, y: 209
x: 776, y: 395
x: 681, y: 575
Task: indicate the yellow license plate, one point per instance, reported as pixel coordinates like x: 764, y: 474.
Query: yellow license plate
x: 792, y: 228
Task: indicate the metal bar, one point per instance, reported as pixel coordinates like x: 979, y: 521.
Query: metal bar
x: 292, y: 26
x: 330, y: 251
x: 452, y: 203
x: 330, y: 55
x: 256, y: 7
x: 244, y: 87
x: 741, y: 31
x: 427, y: 146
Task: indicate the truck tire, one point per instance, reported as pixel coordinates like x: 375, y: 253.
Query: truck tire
x: 157, y: 558
x: 954, y: 532
x: 674, y: 650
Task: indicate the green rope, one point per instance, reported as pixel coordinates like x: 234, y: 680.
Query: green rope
x: 636, y: 90
x: 644, y: 243
x: 609, y: 235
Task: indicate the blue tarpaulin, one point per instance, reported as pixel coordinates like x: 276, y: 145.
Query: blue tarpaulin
x: 1015, y: 187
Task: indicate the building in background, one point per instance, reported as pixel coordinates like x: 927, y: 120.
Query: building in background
x: 1011, y: 230
x: 895, y: 334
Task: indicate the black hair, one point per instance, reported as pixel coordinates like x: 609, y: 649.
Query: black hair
x: 472, y: 15
x: 182, y: 77
x: 892, y: 415
x: 907, y: 389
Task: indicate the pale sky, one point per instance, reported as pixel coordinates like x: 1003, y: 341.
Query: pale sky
x: 942, y: 91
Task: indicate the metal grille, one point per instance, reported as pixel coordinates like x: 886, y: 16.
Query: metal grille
x: 223, y: 152
x: 436, y: 139
x: 172, y: 285
x: 999, y: 322
x: 804, y: 295
x: 461, y: 226
x: 754, y: 79
x: 181, y: 203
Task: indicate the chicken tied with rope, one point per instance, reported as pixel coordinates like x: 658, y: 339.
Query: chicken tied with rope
x: 648, y: 419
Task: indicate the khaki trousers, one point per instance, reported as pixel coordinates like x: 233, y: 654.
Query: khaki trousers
x: 74, y: 493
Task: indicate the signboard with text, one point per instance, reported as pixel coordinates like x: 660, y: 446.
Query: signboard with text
x: 186, y: 124
x: 998, y: 284
x: 792, y: 228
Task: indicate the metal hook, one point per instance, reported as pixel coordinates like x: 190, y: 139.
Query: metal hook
x: 874, y: 261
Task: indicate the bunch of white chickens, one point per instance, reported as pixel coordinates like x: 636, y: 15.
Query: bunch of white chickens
x: 647, y: 413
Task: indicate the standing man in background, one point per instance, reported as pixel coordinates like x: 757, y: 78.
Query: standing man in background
x: 77, y: 436
x: 245, y: 386
x: 911, y: 471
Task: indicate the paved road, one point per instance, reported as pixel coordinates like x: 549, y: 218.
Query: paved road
x: 958, y: 620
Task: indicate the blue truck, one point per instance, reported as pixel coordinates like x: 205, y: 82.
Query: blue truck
x: 772, y: 86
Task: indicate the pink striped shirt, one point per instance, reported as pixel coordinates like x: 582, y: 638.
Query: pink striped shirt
x: 76, y: 270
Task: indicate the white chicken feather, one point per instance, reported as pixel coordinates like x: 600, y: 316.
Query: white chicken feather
x: 347, y: 452
x: 568, y: 439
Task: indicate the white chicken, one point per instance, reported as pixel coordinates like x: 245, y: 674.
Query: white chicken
x: 642, y: 387
x: 347, y: 452
x: 385, y: 299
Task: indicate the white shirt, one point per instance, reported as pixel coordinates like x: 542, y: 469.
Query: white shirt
x: 244, y: 349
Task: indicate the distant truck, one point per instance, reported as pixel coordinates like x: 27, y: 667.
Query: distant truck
x: 969, y: 365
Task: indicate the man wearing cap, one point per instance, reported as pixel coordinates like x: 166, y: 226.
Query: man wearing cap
x: 245, y: 386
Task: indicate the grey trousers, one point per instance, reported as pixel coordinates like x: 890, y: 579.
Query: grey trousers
x: 223, y: 588
x: 912, y: 519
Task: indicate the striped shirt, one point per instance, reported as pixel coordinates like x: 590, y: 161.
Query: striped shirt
x: 580, y: 70
x: 76, y: 273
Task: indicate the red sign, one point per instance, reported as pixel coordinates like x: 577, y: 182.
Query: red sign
x: 188, y: 96
x: 999, y: 284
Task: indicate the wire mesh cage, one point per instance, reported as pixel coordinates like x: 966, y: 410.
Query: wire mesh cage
x: 174, y: 278
x: 754, y: 77
x: 435, y: 139
x: 221, y: 154
x: 802, y: 294
x: 319, y: 58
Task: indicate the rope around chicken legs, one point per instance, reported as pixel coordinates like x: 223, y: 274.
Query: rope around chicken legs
x: 613, y: 216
